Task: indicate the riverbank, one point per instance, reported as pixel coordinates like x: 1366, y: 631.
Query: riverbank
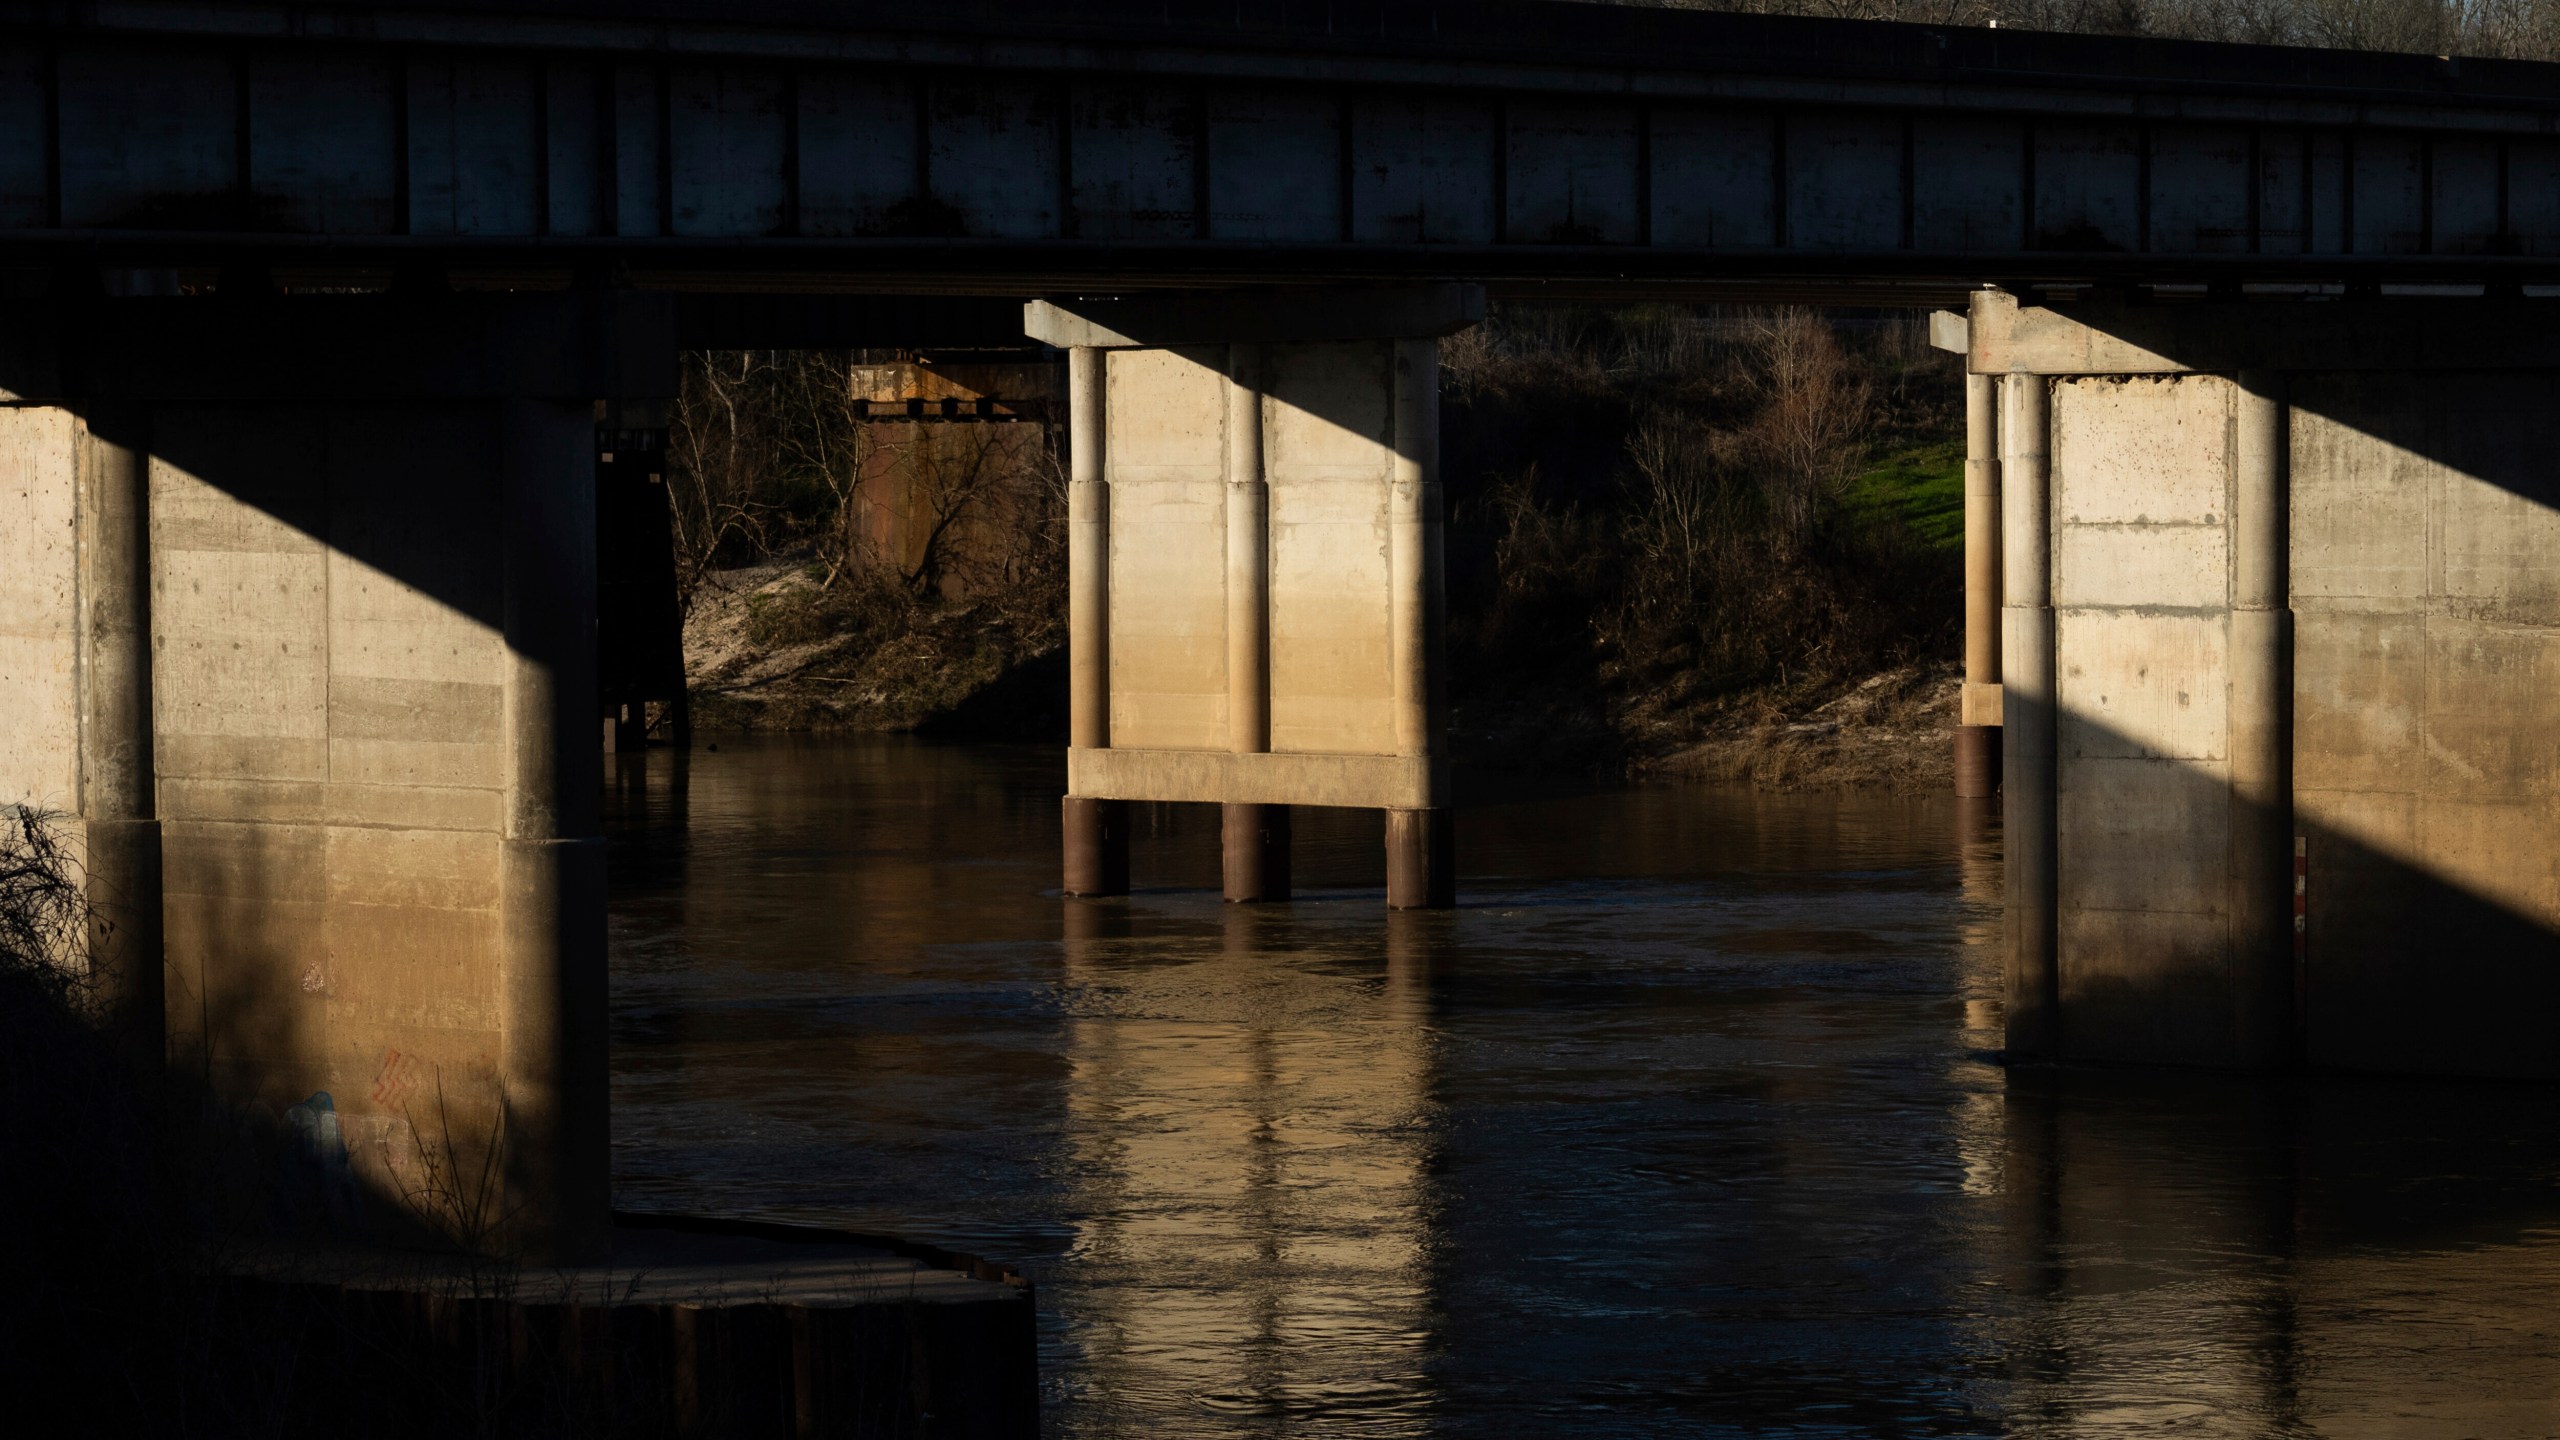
x: 1886, y: 731
x: 1680, y: 541
x: 773, y: 647
x: 769, y: 648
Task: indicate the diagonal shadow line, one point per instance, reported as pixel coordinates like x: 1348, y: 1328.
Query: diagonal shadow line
x: 2413, y: 963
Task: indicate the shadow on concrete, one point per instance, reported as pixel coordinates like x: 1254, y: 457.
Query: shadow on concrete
x: 2404, y: 966
x: 344, y: 582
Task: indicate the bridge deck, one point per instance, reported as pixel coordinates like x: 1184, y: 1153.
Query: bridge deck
x: 963, y: 146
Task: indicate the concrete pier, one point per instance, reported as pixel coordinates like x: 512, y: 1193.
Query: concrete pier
x: 551, y: 861
x: 1254, y: 839
x: 1095, y: 831
x: 118, y: 804
x: 1255, y: 570
x: 1421, y: 842
x: 2279, y: 585
x: 335, y: 752
x: 2028, y: 779
x: 2261, y: 875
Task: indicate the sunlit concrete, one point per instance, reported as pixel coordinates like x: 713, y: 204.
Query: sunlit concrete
x: 1255, y: 571
x: 2300, y: 565
x: 364, y: 732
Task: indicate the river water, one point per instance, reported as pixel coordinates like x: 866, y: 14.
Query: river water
x: 1686, y: 1122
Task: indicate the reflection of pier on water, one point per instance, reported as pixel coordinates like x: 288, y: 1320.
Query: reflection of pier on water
x: 1692, y: 1119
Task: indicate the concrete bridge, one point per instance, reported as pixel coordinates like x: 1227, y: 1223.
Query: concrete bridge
x: 318, y: 311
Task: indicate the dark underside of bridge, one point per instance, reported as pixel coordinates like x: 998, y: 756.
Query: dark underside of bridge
x: 787, y: 149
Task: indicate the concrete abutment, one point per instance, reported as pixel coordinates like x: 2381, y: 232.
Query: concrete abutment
x: 326, y: 717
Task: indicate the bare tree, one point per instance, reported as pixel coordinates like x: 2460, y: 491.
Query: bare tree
x: 44, y: 913
x: 720, y: 451
x: 824, y: 441
x: 1813, y: 422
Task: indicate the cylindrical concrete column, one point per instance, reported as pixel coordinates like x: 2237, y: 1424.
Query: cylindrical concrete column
x: 1095, y: 831
x: 1421, y: 843
x: 1088, y: 555
x: 2263, y: 984
x: 555, y: 1126
x: 1254, y: 842
x: 1422, y: 858
x: 2028, y: 710
x: 1255, y: 837
x: 118, y: 808
x: 1978, y: 729
x: 1248, y: 558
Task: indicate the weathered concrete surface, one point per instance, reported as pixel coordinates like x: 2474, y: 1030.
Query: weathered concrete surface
x: 1167, y: 451
x: 1332, y: 438
x: 1255, y: 562
x: 2028, y: 781
x: 2317, y: 604
x: 1328, y: 435
x: 2142, y: 480
x: 372, y: 580
x: 1356, y: 781
x: 40, y: 606
x: 2427, y: 652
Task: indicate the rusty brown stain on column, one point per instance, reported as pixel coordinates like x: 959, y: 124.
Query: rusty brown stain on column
x: 1094, y: 831
x: 1421, y: 842
x: 2264, y: 1025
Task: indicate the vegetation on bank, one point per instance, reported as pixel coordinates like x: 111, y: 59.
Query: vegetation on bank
x: 836, y: 572
x: 130, y: 1200
x: 1723, y: 541
x: 1679, y: 536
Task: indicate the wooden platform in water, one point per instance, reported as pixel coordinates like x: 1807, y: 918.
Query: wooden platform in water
x: 694, y: 1327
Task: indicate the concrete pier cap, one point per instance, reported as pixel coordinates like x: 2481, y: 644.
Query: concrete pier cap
x: 2279, y: 634
x: 326, y: 709
x: 1256, y: 599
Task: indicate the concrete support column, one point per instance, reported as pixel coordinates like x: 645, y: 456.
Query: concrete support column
x: 1978, y: 730
x: 1255, y: 838
x: 2263, y: 984
x: 555, y: 1133
x: 118, y: 806
x: 2028, y: 700
x: 1421, y: 842
x: 1096, y: 832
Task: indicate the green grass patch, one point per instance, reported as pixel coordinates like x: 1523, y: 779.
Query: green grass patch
x: 1921, y: 487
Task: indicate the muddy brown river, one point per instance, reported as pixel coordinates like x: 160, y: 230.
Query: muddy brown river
x: 1687, y: 1122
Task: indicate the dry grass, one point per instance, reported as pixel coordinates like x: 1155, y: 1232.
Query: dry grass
x: 1891, y: 731
x: 769, y: 647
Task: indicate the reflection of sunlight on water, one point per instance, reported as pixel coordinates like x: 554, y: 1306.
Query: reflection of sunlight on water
x: 1979, y: 937
x: 1688, y: 1124
x: 1246, y: 1135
